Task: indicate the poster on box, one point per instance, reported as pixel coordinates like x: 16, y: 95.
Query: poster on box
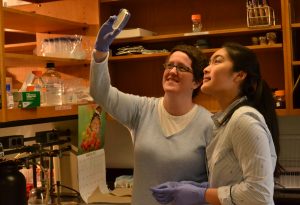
x: 91, y: 128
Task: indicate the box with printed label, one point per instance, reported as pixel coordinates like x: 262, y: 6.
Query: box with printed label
x: 30, y: 99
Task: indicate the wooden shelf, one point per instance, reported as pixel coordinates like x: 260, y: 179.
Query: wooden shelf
x: 109, y: 1
x: 296, y: 62
x: 281, y: 112
x: 32, y: 22
x: 20, y: 47
x: 182, y: 36
x: 295, y: 25
x: 17, y: 114
x: 295, y: 112
x: 160, y: 55
x: 138, y: 56
x: 16, y: 60
x: 40, y: 1
x: 14, y: 36
x: 61, y: 111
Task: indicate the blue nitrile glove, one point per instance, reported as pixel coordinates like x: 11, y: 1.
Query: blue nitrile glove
x: 197, y: 184
x: 164, y: 192
x: 180, y: 193
x: 107, y: 34
x: 189, y: 194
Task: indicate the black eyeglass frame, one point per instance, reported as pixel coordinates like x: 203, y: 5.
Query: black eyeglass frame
x: 179, y: 68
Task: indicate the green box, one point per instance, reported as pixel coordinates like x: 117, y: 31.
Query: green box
x: 30, y: 99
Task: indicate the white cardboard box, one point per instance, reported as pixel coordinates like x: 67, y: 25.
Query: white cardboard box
x: 135, y: 32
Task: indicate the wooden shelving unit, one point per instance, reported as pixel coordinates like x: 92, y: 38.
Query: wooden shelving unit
x: 23, y: 21
x: 40, y: 1
x: 17, y: 114
x: 295, y: 25
x: 16, y: 60
x: 296, y: 62
x: 109, y: 1
x: 232, y: 27
x: 165, y: 54
x: 20, y: 47
x: 15, y: 36
x: 167, y: 33
x: 32, y: 22
x: 184, y: 36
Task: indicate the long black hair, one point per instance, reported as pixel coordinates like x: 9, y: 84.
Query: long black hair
x: 258, y: 92
x: 199, y: 62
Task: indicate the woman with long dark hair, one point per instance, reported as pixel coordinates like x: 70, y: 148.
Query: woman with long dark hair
x: 242, y: 153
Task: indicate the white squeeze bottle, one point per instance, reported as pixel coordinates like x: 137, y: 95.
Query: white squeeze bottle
x: 53, y: 86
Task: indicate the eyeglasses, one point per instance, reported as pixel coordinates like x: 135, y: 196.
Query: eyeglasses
x: 180, y: 68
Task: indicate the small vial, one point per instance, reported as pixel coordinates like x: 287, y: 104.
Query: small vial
x: 10, y: 97
x: 280, y: 99
x: 197, y: 25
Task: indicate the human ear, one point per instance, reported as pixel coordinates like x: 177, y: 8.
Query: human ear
x: 196, y: 84
x: 241, y: 76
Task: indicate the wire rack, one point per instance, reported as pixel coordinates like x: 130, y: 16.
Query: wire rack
x: 290, y: 161
x: 258, y: 16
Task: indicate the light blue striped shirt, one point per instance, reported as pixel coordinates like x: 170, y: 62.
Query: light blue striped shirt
x: 241, y: 157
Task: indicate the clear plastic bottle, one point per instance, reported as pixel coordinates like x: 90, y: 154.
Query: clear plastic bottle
x: 39, y: 85
x: 53, y: 86
x: 197, y: 25
x: 10, y: 97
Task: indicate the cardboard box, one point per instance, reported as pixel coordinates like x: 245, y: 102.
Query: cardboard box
x: 117, y: 196
x: 133, y: 33
x: 30, y: 99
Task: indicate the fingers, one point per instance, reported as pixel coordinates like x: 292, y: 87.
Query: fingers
x: 162, y: 190
x: 164, y: 193
x: 170, y: 184
x: 116, y: 32
x: 163, y: 199
x: 163, y: 196
x: 111, y: 19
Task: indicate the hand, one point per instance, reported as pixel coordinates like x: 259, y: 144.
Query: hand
x: 189, y: 194
x: 107, y: 34
x: 180, y: 192
x: 163, y: 193
x: 197, y: 184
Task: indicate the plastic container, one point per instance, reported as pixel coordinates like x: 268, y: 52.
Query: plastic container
x: 197, y: 25
x: 12, y: 184
x: 53, y: 85
x: 122, y: 18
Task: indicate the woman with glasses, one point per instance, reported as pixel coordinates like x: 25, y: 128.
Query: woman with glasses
x: 169, y: 133
x: 241, y: 155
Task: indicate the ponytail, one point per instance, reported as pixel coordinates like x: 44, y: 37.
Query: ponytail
x: 258, y: 92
